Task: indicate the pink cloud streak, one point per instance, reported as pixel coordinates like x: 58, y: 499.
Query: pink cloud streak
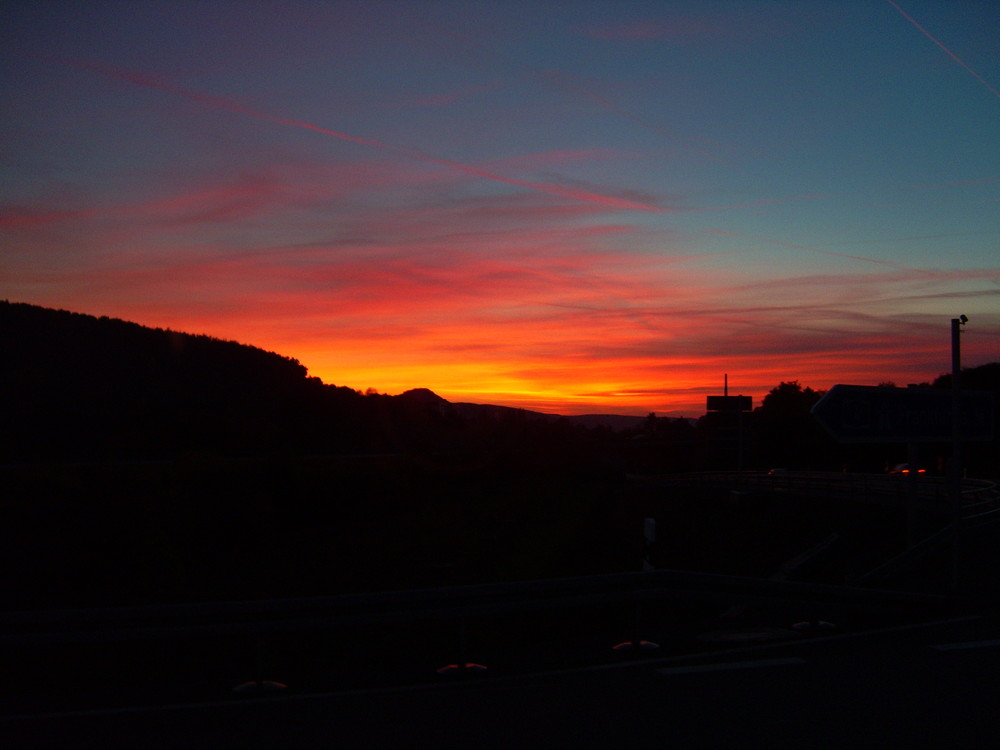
x: 219, y: 103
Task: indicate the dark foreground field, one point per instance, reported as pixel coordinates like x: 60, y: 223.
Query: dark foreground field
x: 202, y: 528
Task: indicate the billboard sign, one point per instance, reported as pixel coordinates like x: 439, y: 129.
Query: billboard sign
x: 877, y: 414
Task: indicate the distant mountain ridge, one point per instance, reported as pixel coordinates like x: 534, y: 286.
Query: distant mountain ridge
x: 466, y: 409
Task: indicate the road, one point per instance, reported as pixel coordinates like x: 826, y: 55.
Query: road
x: 926, y: 685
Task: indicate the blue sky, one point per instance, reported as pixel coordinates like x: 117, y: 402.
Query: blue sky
x: 566, y: 206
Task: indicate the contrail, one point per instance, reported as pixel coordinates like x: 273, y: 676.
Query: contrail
x: 218, y: 103
x: 951, y: 54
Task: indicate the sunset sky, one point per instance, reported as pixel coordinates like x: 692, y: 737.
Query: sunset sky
x: 574, y: 207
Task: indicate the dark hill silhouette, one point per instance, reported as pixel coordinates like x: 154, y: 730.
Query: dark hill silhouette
x: 425, y: 396
x: 79, y: 387
x: 619, y: 422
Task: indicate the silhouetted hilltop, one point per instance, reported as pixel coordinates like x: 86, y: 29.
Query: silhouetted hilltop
x: 618, y: 422
x: 424, y: 396
x: 78, y: 387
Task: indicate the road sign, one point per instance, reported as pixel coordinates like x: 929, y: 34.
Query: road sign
x: 729, y: 403
x: 878, y: 414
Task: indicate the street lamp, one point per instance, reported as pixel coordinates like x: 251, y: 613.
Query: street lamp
x: 955, y: 469
x: 956, y: 378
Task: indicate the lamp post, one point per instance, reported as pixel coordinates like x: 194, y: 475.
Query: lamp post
x: 956, y: 385
x: 955, y: 467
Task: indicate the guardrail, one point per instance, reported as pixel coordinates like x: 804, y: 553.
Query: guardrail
x: 882, y: 489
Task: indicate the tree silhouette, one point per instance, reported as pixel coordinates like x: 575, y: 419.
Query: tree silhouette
x: 786, y: 433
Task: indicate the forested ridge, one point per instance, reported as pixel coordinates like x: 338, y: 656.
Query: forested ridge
x: 78, y: 387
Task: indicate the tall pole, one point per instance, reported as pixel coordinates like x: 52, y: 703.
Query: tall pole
x: 956, y: 398
x: 955, y: 467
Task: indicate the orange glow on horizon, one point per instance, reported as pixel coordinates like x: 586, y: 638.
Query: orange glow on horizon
x: 554, y: 368
x: 514, y: 222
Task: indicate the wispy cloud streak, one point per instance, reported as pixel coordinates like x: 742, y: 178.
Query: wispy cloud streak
x: 947, y: 51
x: 777, y: 243
x: 219, y: 103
